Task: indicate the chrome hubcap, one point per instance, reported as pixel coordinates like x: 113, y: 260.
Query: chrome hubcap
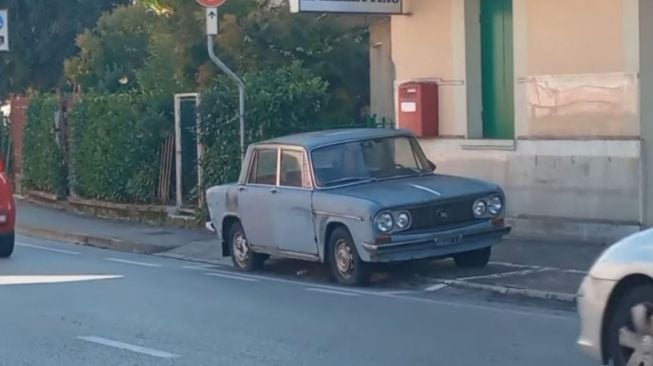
x: 241, y: 252
x: 344, y: 259
x: 637, y: 343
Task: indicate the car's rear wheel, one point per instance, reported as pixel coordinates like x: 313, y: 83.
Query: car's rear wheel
x: 7, y: 245
x: 630, y: 331
x: 346, y: 265
x: 473, y: 259
x: 241, y: 255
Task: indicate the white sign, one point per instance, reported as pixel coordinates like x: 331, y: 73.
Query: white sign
x: 348, y: 6
x: 4, y: 31
x: 211, y: 21
x: 409, y: 107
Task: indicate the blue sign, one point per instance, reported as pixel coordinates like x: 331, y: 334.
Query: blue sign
x: 2, y: 21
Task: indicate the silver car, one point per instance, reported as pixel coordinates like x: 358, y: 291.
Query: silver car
x: 615, y: 303
x: 351, y: 198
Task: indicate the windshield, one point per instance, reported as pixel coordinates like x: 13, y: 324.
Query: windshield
x: 368, y: 160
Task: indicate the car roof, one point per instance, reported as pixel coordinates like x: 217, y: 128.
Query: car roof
x: 312, y: 140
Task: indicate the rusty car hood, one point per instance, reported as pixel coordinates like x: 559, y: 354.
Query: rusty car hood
x: 418, y: 190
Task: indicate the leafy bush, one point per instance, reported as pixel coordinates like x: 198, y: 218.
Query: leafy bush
x: 43, y: 162
x: 115, y: 147
x: 279, y: 101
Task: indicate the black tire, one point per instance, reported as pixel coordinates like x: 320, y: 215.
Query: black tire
x: 621, y: 317
x: 248, y: 262
x: 358, y: 272
x: 7, y: 245
x: 473, y: 259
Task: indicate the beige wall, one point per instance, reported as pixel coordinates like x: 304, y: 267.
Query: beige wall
x: 575, y: 65
x: 428, y: 44
x: 575, y: 36
x: 576, y: 78
x: 382, y: 69
x: 577, y: 105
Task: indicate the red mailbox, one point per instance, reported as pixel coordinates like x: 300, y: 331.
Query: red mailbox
x: 418, y: 108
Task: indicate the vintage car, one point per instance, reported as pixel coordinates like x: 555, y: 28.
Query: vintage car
x: 351, y: 198
x: 615, y: 303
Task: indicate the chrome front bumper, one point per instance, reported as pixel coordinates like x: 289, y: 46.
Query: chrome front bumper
x: 435, y: 244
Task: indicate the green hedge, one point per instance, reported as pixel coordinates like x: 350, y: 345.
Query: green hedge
x: 115, y: 147
x: 279, y: 101
x: 43, y: 164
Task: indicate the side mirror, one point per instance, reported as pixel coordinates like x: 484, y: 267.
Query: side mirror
x: 432, y: 166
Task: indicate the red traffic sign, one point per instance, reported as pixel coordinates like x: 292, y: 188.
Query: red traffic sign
x: 211, y: 3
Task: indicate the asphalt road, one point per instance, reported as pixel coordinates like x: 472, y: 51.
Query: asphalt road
x: 68, y: 305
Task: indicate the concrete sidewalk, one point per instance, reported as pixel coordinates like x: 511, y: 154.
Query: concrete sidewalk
x: 42, y: 221
x: 531, y: 268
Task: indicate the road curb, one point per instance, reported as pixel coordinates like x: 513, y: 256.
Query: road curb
x: 90, y: 240
x: 513, y: 291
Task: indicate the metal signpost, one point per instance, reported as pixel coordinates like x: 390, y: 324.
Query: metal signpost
x: 4, y: 31
x: 211, y: 31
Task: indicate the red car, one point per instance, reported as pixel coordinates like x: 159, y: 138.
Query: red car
x: 7, y: 214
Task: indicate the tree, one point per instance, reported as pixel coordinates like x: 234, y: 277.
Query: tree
x: 112, y: 52
x: 42, y: 35
x: 273, y: 37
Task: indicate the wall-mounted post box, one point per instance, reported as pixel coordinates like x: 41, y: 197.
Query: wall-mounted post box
x: 418, y: 108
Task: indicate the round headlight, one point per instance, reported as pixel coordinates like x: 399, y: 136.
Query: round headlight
x: 479, y: 208
x: 402, y: 220
x: 384, y: 222
x: 494, y: 205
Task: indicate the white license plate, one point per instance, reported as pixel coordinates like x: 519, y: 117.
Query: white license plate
x: 450, y: 240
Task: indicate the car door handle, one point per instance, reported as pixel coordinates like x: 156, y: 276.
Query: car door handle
x: 242, y: 189
x: 274, y: 191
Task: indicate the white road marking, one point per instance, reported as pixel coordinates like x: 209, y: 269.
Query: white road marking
x: 332, y: 292
x: 408, y: 297
x: 406, y: 292
x: 301, y: 283
x: 232, y: 277
x: 505, y: 274
x: 128, y: 347
x: 136, y: 263
x: 54, y: 250
x: 515, y: 265
x: 202, y: 267
x: 527, y: 266
x: 47, y: 279
x: 437, y: 287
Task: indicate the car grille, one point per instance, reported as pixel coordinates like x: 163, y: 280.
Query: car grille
x: 442, y: 215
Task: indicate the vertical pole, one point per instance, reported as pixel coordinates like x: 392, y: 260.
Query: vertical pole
x: 178, y: 151
x: 200, y: 148
x: 241, y: 90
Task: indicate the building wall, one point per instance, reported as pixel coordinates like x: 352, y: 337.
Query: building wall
x: 383, y: 71
x: 423, y: 47
x: 576, y: 156
x: 646, y: 80
x: 574, y: 74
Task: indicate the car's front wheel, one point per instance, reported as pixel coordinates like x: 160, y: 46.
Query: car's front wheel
x: 346, y: 265
x: 630, y: 331
x: 473, y: 259
x: 241, y: 255
x: 7, y: 245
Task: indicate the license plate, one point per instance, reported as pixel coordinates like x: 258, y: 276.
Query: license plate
x: 450, y: 240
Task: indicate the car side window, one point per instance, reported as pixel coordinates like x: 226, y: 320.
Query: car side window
x: 294, y: 169
x: 264, y: 167
x: 404, y: 153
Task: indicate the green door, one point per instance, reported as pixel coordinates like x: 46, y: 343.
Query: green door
x: 497, y: 69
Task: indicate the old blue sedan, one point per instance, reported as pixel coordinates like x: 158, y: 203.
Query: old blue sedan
x: 351, y: 198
